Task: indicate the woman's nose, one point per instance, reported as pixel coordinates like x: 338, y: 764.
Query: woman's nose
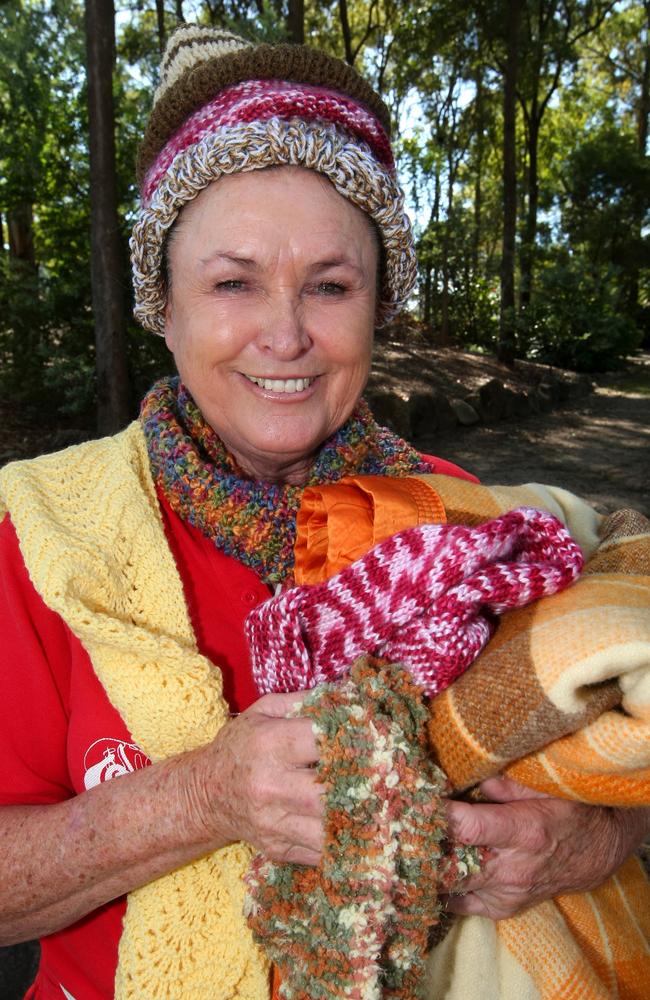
x: 284, y: 333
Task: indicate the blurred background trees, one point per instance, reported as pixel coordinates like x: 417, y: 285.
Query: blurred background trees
x: 521, y: 129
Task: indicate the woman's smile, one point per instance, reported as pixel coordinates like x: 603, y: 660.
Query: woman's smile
x: 289, y: 386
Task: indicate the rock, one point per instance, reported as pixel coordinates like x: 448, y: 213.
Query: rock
x: 431, y: 411
x: 492, y: 396
x: 509, y: 402
x: 465, y: 413
x: 444, y: 414
x: 532, y: 401
x: 565, y: 391
x: 391, y: 410
x: 550, y: 389
x: 521, y: 404
x: 544, y: 397
x: 474, y: 401
x: 582, y: 386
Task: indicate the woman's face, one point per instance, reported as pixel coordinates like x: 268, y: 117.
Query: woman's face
x: 270, y: 313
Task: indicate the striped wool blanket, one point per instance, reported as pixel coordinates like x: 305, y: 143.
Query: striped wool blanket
x: 559, y: 700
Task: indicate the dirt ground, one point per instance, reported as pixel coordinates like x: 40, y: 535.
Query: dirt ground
x: 599, y: 448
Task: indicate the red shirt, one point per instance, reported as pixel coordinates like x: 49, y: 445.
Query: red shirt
x: 61, y: 735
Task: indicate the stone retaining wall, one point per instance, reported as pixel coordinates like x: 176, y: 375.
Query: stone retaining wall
x: 414, y: 414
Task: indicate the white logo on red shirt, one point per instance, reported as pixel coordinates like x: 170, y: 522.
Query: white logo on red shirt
x: 109, y: 758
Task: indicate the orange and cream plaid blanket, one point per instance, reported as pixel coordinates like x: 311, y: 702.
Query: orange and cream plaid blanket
x: 559, y: 700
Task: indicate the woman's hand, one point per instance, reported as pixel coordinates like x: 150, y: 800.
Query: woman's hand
x: 539, y: 847
x: 258, y: 783
x: 254, y: 781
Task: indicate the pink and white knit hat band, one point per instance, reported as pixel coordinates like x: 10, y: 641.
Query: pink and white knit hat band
x: 261, y: 100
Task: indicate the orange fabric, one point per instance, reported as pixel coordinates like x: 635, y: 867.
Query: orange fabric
x: 339, y: 523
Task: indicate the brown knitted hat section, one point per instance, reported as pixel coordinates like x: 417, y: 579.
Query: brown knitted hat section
x: 203, y: 81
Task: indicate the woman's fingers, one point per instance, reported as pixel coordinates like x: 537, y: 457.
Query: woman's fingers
x: 260, y: 785
x: 506, y: 790
x: 494, y: 824
x: 278, y: 706
x: 299, y: 842
x: 539, y: 847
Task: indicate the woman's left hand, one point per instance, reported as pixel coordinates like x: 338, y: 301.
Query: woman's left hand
x: 538, y: 846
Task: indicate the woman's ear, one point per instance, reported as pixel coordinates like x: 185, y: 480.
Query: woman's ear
x: 170, y: 327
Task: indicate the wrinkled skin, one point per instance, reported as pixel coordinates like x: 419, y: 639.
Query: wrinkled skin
x: 539, y: 847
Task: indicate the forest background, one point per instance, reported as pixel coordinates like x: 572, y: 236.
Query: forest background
x: 521, y: 130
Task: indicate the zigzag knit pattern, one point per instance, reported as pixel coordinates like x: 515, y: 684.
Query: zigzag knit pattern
x: 424, y: 598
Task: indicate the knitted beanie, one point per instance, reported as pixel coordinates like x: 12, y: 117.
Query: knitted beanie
x: 224, y: 106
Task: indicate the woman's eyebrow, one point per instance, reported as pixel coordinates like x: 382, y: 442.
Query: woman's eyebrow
x: 339, y: 261
x: 232, y: 258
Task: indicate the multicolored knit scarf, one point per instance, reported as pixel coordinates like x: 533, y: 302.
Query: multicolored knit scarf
x: 251, y: 520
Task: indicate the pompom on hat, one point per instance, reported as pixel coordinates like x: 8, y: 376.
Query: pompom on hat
x: 224, y: 106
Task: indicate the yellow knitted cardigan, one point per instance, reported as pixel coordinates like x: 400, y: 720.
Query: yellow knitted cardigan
x: 93, y: 542
x: 92, y: 539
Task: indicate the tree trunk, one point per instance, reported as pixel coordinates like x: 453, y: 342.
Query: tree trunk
x: 426, y: 305
x: 478, y: 177
x: 445, y: 330
x: 435, y: 277
x: 180, y: 16
x: 23, y: 277
x: 160, y: 22
x: 296, y: 21
x: 106, y: 252
x: 642, y: 115
x: 20, y: 224
x: 643, y: 107
x: 345, y: 29
x: 530, y: 231
x: 506, y: 346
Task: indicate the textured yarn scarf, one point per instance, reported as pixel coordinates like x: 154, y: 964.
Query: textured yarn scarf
x: 254, y: 521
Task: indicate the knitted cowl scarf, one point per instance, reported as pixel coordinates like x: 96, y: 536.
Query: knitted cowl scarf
x: 254, y: 521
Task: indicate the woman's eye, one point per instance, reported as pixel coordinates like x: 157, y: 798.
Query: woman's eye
x: 331, y: 288
x: 231, y: 285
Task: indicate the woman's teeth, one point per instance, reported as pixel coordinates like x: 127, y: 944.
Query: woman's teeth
x: 282, y: 385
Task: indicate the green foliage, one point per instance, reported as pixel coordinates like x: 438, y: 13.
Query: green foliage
x: 439, y: 66
x: 607, y: 208
x: 577, y: 321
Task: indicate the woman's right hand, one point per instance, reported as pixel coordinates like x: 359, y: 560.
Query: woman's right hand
x: 256, y: 782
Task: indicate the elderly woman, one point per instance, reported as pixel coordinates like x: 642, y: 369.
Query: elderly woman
x: 270, y: 240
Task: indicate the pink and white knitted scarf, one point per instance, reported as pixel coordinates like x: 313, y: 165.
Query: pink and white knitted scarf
x: 426, y: 598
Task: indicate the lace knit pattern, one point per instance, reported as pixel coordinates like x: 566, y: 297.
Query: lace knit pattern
x: 253, y: 521
x: 92, y: 537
